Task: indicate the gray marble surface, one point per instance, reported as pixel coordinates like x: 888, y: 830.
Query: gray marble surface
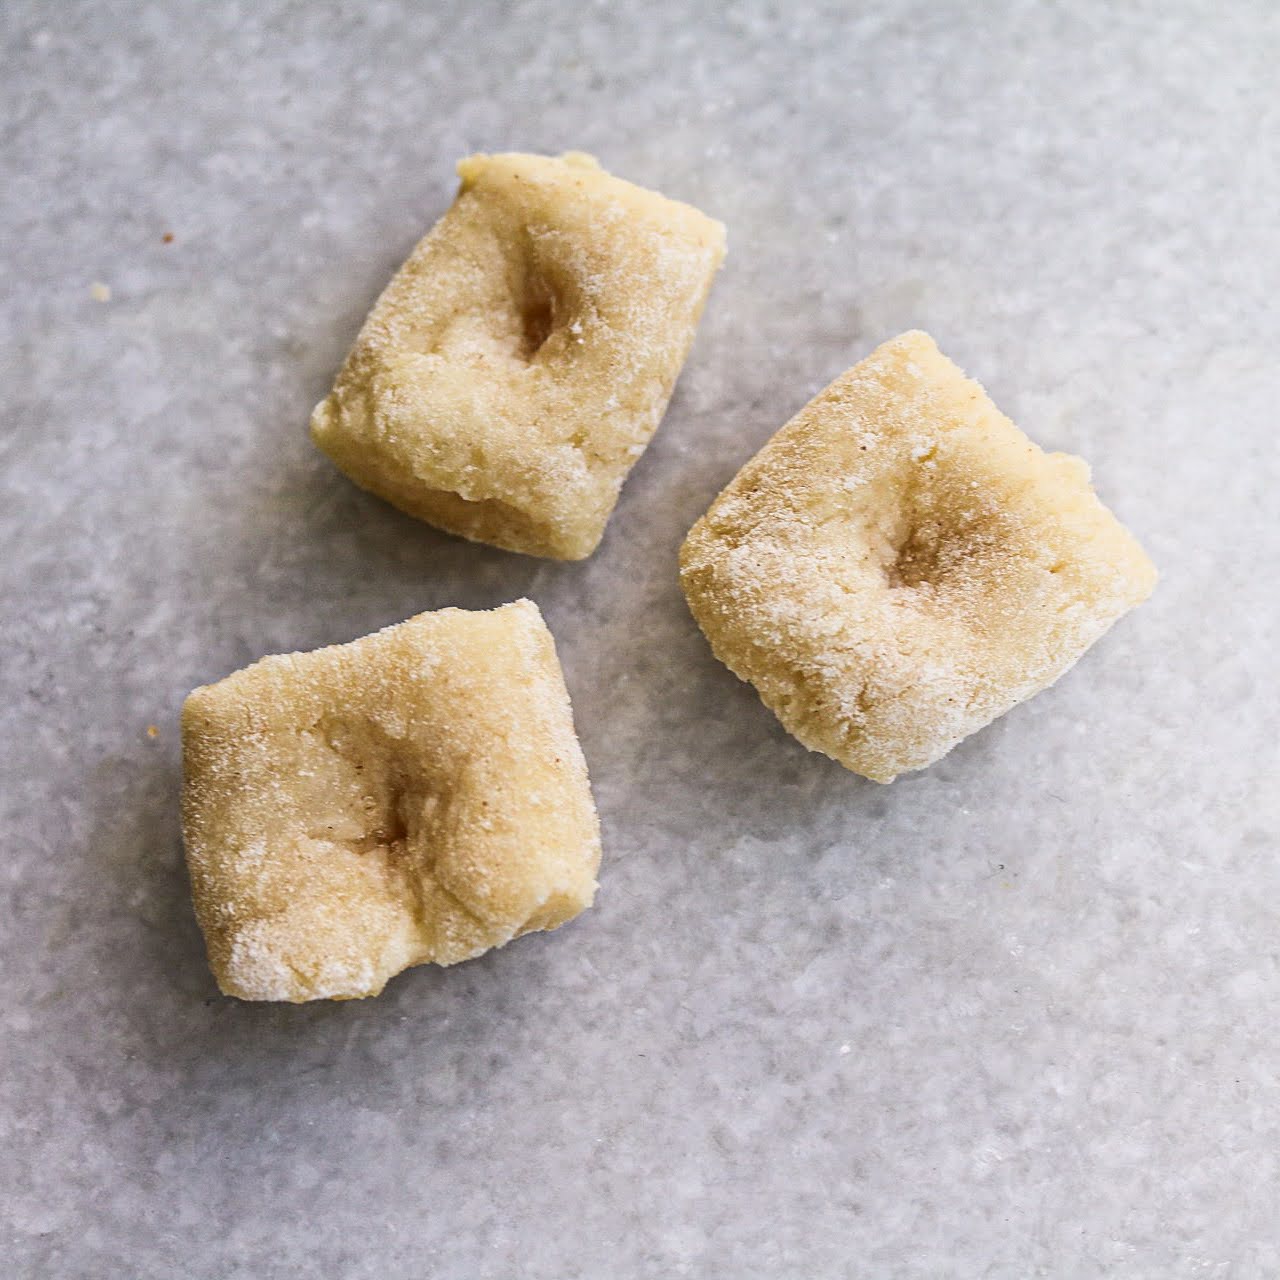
x: 1011, y: 1017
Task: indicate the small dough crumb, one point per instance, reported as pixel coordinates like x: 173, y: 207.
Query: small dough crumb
x: 517, y: 365
x: 415, y: 796
x: 100, y: 292
x: 900, y: 565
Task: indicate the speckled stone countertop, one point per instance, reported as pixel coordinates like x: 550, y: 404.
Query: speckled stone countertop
x: 1015, y: 1016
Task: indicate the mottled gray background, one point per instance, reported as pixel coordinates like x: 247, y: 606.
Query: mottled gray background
x: 1014, y: 1017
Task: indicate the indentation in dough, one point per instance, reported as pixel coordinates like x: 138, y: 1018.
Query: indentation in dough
x: 390, y: 829
x: 537, y: 317
x: 942, y: 548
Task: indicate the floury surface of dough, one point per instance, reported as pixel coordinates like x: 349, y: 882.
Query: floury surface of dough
x: 418, y: 795
x: 899, y: 565
x: 517, y: 365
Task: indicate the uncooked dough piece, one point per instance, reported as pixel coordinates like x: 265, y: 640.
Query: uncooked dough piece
x: 899, y: 565
x: 519, y: 362
x: 417, y: 795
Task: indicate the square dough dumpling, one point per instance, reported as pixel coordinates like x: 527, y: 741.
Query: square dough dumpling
x: 899, y: 565
x: 418, y: 795
x: 517, y: 365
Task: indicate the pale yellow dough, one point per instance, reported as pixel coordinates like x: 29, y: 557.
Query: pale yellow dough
x: 517, y: 365
x: 899, y: 565
x: 417, y: 795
